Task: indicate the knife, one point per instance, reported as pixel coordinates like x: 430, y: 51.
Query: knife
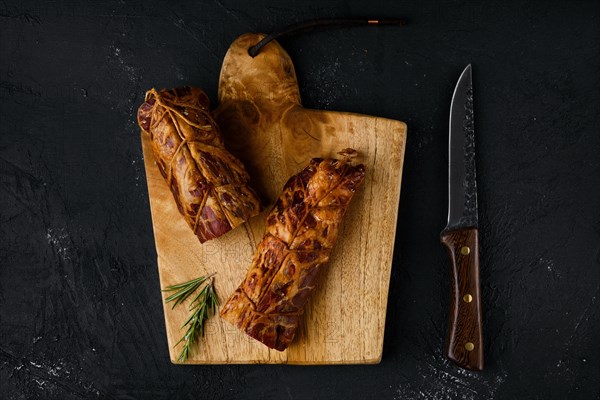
x: 464, y: 344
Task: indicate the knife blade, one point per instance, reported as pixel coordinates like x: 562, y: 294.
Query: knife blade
x: 464, y: 344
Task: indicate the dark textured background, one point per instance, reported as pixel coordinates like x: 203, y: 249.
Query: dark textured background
x: 80, y: 307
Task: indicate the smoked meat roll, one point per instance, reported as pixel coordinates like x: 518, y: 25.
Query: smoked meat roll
x: 299, y: 235
x: 209, y: 185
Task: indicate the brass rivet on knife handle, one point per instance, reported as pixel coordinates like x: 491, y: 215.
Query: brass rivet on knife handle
x: 465, y: 337
x: 465, y: 250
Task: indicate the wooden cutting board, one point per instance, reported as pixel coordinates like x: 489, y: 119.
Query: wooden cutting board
x: 265, y: 125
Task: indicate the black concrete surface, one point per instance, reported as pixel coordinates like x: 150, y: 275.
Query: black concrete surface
x: 80, y: 307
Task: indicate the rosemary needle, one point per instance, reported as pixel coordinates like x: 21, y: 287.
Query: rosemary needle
x: 202, y: 306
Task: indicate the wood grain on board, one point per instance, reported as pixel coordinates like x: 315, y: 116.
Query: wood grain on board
x: 265, y: 125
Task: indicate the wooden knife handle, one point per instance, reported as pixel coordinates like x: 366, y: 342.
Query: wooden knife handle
x: 464, y: 345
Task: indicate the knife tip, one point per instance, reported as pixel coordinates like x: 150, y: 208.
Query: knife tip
x: 466, y: 73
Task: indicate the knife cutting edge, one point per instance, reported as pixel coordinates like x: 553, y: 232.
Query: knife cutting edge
x: 464, y: 344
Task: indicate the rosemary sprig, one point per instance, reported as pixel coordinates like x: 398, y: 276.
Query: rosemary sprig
x: 203, y: 306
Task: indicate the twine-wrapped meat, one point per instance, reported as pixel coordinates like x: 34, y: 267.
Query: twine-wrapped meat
x: 300, y: 233
x: 209, y: 185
